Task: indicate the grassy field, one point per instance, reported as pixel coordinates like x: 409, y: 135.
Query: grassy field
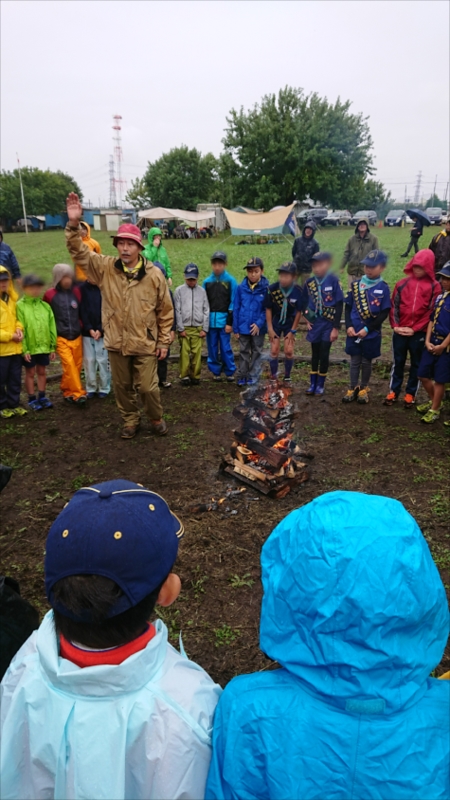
x: 38, y: 252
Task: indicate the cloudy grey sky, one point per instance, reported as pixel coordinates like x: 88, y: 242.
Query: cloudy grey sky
x: 174, y: 69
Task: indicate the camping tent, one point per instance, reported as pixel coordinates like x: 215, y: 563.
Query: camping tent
x: 176, y: 213
x: 264, y: 223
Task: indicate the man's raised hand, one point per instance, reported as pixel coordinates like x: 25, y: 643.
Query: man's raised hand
x: 74, y: 209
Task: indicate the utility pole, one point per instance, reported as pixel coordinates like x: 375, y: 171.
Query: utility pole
x: 417, y: 189
x: 434, y: 191
x: 23, y: 198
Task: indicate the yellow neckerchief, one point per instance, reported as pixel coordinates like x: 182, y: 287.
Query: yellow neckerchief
x: 253, y: 285
x: 131, y: 273
x: 437, y: 311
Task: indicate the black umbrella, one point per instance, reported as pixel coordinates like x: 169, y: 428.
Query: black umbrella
x: 415, y: 213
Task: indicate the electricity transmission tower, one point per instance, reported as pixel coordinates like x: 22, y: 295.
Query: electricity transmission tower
x: 119, y: 183
x: 112, y: 184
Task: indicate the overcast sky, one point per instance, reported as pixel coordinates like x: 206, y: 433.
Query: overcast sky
x: 173, y: 70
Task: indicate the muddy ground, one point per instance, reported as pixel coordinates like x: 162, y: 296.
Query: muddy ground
x: 365, y: 448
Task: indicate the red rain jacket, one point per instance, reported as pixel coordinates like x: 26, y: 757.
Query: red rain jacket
x: 413, y: 299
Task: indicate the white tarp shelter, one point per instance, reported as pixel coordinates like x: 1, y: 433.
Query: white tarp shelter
x: 194, y: 217
x: 269, y: 222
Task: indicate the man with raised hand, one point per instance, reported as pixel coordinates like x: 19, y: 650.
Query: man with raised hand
x: 137, y: 315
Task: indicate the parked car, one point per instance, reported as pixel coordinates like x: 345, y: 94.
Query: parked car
x: 369, y: 215
x: 409, y: 221
x: 395, y: 218
x: 317, y: 214
x: 445, y: 217
x: 337, y: 218
x: 434, y: 215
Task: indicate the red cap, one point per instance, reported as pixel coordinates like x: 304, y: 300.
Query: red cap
x: 128, y: 231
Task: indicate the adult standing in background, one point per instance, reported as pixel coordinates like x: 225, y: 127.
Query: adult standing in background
x: 358, y: 247
x: 303, y: 249
x: 137, y: 316
x: 440, y: 246
x: 8, y: 259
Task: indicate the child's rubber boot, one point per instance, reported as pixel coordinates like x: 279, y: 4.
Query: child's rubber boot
x: 320, y: 385
x: 390, y: 398
x: 312, y: 383
x: 431, y: 416
x: 409, y: 400
x: 363, y: 395
x: 351, y: 395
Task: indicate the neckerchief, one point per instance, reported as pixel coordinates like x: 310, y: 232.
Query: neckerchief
x: 361, y: 300
x: 367, y: 283
x: 315, y: 290
x: 253, y: 285
x: 437, y: 311
x: 284, y: 308
x: 132, y: 273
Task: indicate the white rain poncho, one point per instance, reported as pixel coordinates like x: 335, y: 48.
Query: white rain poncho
x: 140, y: 729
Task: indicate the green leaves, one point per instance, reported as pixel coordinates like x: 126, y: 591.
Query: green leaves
x: 181, y: 178
x: 45, y: 192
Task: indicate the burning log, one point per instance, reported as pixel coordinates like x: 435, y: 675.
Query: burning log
x: 263, y: 451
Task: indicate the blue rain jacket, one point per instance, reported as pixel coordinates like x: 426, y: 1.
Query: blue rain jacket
x: 137, y: 730
x: 249, y: 307
x: 355, y: 613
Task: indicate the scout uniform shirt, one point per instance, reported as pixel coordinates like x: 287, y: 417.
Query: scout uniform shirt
x: 322, y: 302
x: 367, y: 299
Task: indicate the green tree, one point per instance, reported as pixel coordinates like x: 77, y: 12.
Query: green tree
x: 138, y: 195
x: 435, y: 202
x: 181, y: 178
x: 293, y: 145
x: 45, y: 192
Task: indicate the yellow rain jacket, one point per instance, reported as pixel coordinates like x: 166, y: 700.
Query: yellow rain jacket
x: 8, y: 320
x: 80, y: 272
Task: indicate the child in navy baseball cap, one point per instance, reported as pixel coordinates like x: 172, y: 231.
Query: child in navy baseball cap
x: 105, y: 705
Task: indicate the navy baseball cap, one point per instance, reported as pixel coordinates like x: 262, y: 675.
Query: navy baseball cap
x: 288, y: 266
x: 219, y: 255
x: 119, y: 530
x: 445, y: 271
x: 374, y: 258
x: 254, y: 262
x: 325, y: 256
x: 32, y: 280
x: 191, y: 270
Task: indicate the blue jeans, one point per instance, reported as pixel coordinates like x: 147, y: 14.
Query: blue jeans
x: 401, y: 347
x: 95, y: 357
x: 220, y: 354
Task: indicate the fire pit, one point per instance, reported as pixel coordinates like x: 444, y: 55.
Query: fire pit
x: 263, y: 453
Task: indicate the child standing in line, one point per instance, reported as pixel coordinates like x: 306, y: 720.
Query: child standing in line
x: 39, y: 340
x: 192, y: 317
x: 220, y: 288
x: 366, y: 307
x: 95, y: 355
x: 249, y: 321
x: 434, y: 367
x: 80, y: 272
x: 411, y: 306
x: 11, y: 336
x: 64, y: 300
x: 323, y: 301
x: 283, y: 304
x: 155, y: 251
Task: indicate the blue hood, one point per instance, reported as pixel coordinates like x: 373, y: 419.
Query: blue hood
x: 353, y: 603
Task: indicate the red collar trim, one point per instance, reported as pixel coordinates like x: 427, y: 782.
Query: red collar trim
x: 94, y: 658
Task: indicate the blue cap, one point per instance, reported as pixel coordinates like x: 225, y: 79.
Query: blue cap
x: 445, y: 270
x: 374, y: 258
x: 191, y: 270
x: 119, y: 530
x: 288, y: 266
x: 219, y: 255
x: 254, y: 262
x: 325, y: 256
x: 161, y: 267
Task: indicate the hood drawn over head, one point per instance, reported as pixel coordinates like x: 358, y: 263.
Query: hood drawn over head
x: 362, y: 219
x: 353, y: 603
x: 424, y: 259
x: 152, y: 233
x: 309, y: 224
x: 5, y: 273
x: 88, y: 229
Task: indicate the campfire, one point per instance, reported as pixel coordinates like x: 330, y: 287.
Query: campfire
x: 263, y: 453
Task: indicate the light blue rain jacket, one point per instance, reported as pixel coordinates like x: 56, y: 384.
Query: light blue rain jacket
x: 140, y: 729
x: 355, y: 612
